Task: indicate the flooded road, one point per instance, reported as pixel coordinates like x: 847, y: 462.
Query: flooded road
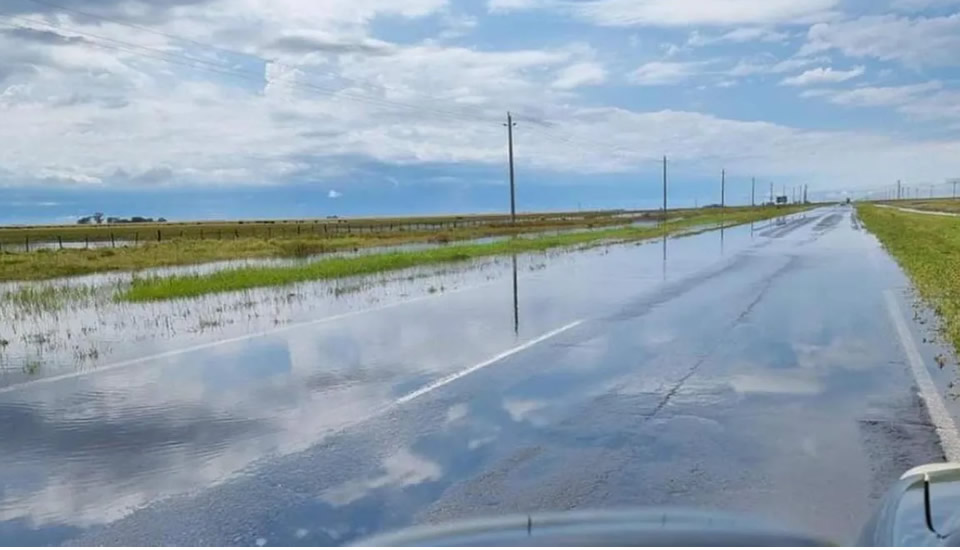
x: 755, y: 369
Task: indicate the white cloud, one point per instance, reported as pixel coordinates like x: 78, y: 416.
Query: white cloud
x: 944, y: 105
x: 699, y: 12
x: 738, y: 36
x: 665, y: 73
x: 822, y: 75
x: 339, y: 97
x: 914, y: 42
x: 580, y: 74
x: 875, y: 96
x: 503, y: 6
x: 334, y: 194
x: 922, y: 5
x: 747, y: 67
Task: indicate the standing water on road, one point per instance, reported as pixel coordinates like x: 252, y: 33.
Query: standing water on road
x: 321, y: 412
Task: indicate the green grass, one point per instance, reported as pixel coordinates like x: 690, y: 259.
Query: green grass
x: 936, y: 205
x: 287, y: 229
x: 928, y: 250
x: 181, y: 286
x: 46, y: 264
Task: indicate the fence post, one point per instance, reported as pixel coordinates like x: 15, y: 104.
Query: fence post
x: 26, y: 243
x: 158, y: 235
x: 136, y: 238
x: 298, y: 229
x: 60, y: 241
x: 113, y: 243
x: 236, y: 233
x: 86, y: 242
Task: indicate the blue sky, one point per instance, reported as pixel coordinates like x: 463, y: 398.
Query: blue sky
x: 276, y: 108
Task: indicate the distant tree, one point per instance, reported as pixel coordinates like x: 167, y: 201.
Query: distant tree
x: 85, y: 220
x: 112, y: 219
x: 98, y: 216
x: 162, y: 220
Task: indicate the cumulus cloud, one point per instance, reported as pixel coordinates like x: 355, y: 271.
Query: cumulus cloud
x: 821, y: 75
x: 322, y: 95
x: 918, y: 42
x: 697, y: 12
x: 580, y: 74
x: 665, y: 73
x: 334, y: 194
x: 737, y: 36
x: 874, y: 96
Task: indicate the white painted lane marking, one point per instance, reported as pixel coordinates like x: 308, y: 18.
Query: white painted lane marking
x: 942, y: 421
x: 496, y: 358
x: 235, y: 339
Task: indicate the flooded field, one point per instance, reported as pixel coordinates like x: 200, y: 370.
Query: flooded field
x: 107, y: 407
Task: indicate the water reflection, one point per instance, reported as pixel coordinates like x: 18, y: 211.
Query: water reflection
x: 87, y: 450
x: 516, y: 308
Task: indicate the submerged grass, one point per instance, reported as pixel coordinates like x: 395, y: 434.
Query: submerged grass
x: 928, y: 249
x: 181, y: 286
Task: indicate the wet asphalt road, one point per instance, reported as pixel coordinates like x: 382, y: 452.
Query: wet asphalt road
x: 755, y: 370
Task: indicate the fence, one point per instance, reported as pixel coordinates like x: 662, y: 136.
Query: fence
x: 26, y: 239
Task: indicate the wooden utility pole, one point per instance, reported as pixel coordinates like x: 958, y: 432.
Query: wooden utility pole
x: 664, y: 191
x: 753, y: 191
x: 513, y: 200
x: 771, y: 193
x: 723, y: 188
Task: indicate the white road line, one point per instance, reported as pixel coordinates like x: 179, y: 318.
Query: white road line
x: 496, y: 358
x: 942, y: 421
x: 235, y: 339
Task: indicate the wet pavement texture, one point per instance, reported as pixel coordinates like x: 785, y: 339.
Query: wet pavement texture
x: 754, y: 369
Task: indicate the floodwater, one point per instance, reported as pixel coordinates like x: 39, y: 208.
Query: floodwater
x: 643, y: 373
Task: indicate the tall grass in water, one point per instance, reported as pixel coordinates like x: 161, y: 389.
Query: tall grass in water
x: 182, y: 286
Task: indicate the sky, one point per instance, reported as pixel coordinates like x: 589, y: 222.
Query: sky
x: 298, y: 108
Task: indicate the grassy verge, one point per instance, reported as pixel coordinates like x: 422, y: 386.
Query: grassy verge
x: 928, y: 249
x: 161, y: 288
x: 46, y: 264
x: 934, y: 205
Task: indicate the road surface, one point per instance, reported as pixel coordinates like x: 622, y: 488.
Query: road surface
x: 767, y: 369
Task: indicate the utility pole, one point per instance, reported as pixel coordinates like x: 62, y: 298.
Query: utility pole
x: 955, y: 182
x: 753, y: 191
x: 723, y: 188
x: 513, y: 200
x: 664, y: 191
x: 771, y: 193
x: 898, y: 189
x: 804, y: 193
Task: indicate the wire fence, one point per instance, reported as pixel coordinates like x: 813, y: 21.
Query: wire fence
x: 92, y: 236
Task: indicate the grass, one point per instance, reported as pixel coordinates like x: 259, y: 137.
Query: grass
x: 317, y: 228
x: 936, y: 205
x: 183, y: 286
x: 46, y: 264
x: 39, y: 299
x: 928, y: 249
